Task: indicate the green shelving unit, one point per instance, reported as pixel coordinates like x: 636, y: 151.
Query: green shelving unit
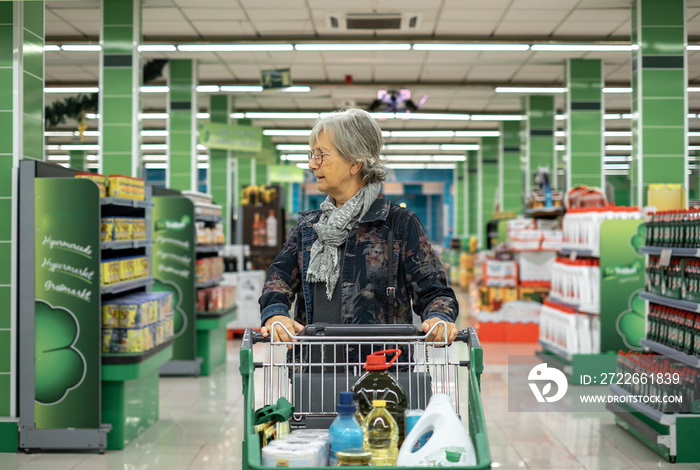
x: 130, y: 392
x: 211, y: 338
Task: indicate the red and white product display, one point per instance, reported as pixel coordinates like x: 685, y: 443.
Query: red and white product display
x: 577, y: 283
x: 534, y: 235
x: 500, y: 273
x: 582, y: 226
x: 535, y: 269
x: 567, y: 330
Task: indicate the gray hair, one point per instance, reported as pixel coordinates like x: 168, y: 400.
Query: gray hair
x: 358, y: 139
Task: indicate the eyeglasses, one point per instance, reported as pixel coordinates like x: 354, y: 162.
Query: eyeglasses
x: 317, y: 156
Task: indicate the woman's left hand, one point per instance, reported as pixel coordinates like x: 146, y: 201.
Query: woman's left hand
x: 438, y: 334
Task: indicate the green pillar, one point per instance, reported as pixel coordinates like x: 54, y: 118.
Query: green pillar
x: 244, y: 168
x: 77, y: 159
x: 488, y: 185
x: 220, y: 187
x: 585, y: 141
x: 461, y: 225
x: 22, y: 121
x: 659, y: 96
x: 120, y: 83
x: 511, y: 173
x: 473, y: 192
x: 540, y: 130
x: 182, y: 138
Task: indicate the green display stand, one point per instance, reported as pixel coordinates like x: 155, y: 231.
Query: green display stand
x: 211, y: 339
x: 575, y: 365
x: 9, y: 441
x: 130, y: 393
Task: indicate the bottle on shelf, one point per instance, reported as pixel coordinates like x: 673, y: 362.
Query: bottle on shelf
x: 271, y: 229
x: 345, y: 432
x: 381, y: 435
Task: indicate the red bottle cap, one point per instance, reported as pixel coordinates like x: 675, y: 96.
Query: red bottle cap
x: 377, y: 360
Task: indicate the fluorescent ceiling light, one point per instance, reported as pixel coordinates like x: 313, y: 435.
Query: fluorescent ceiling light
x: 78, y: 147
x: 470, y: 47
x: 155, y: 89
x: 154, y: 158
x: 202, y: 115
x: 292, y: 147
x: 157, y: 48
x: 449, y: 158
x: 202, y: 166
x: 154, y: 116
x: 235, y: 47
x: 256, y: 115
x: 558, y: 117
x: 208, y: 88
x: 560, y: 148
x: 72, y: 89
x: 618, y: 148
x: 693, y: 134
x: 71, y: 133
x: 58, y: 158
x: 51, y: 48
x: 81, y: 47
x: 303, y: 166
x: 617, y: 133
x: 154, y: 133
x: 201, y: 147
x: 460, y: 147
x: 559, y: 134
x: 498, y: 117
x: 433, y: 116
x: 693, y: 89
x: 477, y: 133
x: 295, y: 157
x: 241, y: 88
x: 532, y: 89
x: 203, y: 158
x: 353, y: 47
x: 156, y: 166
x: 154, y: 147
x: 617, y: 166
x: 583, y: 47
x: 287, y: 132
x: 616, y: 172
x: 92, y: 158
x: 617, y: 158
x: 693, y: 147
x: 92, y: 116
x: 693, y: 47
x: 405, y: 147
x: 421, y: 133
x: 617, y: 116
x: 380, y: 116
x: 421, y: 166
x: 296, y: 89
x: 617, y: 89
x: 237, y: 115
x: 406, y: 158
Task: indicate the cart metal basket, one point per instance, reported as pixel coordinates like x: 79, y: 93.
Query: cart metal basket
x: 312, y: 370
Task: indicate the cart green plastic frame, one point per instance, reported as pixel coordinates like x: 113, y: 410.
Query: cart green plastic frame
x: 477, y: 426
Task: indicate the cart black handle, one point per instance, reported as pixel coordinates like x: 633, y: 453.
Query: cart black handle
x: 251, y: 337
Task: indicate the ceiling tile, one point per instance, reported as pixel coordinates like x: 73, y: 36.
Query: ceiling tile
x: 78, y: 14
x: 618, y: 74
x: 358, y: 6
x: 158, y: 3
x: 59, y: 28
x: 491, y: 72
x: 535, y: 15
x: 217, y: 14
x: 277, y: 14
x: 162, y: 14
x: 471, y: 15
x: 444, y: 73
x: 476, y: 4
x: 540, y: 73
x: 273, y: 4
x: 451, y: 58
x: 530, y: 28
x: 49, y: 15
x: 246, y: 72
x: 217, y: 28
x: 307, y: 72
x: 693, y: 29
x: 408, y: 6
x: 466, y: 28
x: 359, y: 72
x: 167, y: 28
x: 587, y: 28
x: 604, y: 4
x: 214, y: 72
x: 611, y: 14
x: 87, y: 28
x: 542, y: 4
x: 283, y: 27
x: 397, y: 73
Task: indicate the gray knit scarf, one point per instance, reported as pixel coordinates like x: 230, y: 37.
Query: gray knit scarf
x: 333, y: 228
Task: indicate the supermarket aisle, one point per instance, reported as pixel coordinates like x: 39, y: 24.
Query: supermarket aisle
x: 200, y: 428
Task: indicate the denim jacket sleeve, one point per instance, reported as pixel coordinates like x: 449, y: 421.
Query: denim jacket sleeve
x: 425, y: 277
x: 283, y: 280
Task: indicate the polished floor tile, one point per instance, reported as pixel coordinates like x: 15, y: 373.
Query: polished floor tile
x: 201, y: 420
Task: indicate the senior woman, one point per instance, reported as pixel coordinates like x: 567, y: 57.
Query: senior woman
x: 337, y: 257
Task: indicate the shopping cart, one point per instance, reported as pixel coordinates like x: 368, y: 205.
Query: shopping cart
x: 312, y: 370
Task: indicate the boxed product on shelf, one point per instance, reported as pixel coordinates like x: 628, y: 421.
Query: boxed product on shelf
x: 500, y: 273
x: 110, y: 315
x: 217, y: 234
x: 138, y: 228
x: 201, y: 270
x: 97, y: 178
x: 215, y: 299
x: 110, y: 272
x: 122, y: 228
x: 126, y: 187
x: 107, y: 229
x: 533, y: 293
x: 122, y: 340
x: 126, y: 269
x: 492, y: 298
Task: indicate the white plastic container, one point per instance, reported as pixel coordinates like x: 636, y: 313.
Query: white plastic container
x: 448, y: 432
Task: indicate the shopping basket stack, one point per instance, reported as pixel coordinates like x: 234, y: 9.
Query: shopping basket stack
x: 324, y: 360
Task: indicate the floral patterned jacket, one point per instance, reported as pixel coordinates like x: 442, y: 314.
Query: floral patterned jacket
x: 419, y: 278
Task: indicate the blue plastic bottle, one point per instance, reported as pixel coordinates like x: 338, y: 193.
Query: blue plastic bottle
x: 345, y: 431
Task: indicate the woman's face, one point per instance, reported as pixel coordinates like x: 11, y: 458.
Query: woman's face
x: 337, y: 177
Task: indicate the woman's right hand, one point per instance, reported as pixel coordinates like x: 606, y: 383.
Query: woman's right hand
x: 280, y: 333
